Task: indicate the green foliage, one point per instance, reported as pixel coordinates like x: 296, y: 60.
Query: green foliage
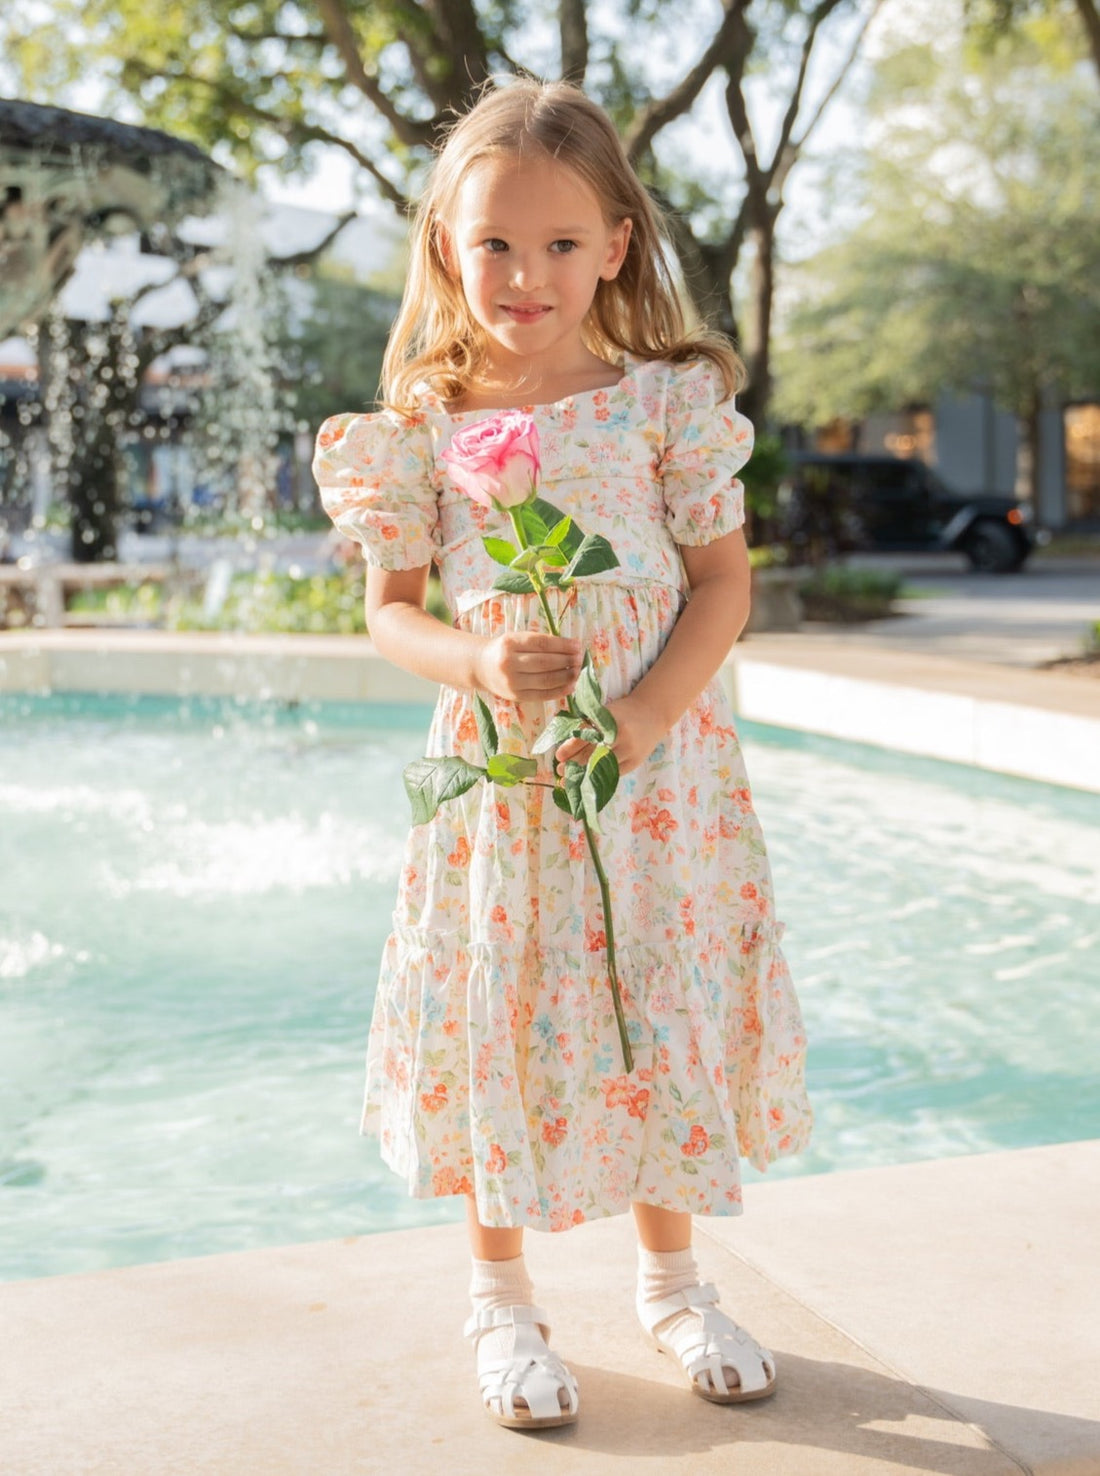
x: 319, y: 604
x: 761, y: 477
x: 842, y: 595
x: 978, y: 261
x: 332, y: 351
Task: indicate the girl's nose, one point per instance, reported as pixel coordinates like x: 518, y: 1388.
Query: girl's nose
x: 525, y: 273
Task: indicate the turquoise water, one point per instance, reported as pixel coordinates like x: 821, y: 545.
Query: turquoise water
x: 193, y: 900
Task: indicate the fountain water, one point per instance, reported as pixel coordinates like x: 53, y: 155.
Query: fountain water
x: 65, y: 179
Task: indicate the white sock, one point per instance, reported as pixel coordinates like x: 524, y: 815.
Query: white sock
x: 663, y: 1273
x: 499, y: 1284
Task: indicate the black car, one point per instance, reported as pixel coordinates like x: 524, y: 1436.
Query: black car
x: 848, y: 503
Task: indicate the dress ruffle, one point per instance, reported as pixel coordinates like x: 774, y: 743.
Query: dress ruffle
x: 541, y: 1122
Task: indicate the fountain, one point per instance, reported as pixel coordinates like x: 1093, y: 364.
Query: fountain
x: 65, y: 178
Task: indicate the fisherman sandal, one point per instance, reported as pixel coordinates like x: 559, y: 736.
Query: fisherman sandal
x: 533, y: 1375
x: 709, y: 1343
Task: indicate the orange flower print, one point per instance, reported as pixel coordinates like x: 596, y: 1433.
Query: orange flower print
x: 644, y: 815
x: 748, y: 891
x: 503, y: 813
x: 595, y: 939
x: 389, y: 531
x: 460, y: 856
x: 500, y: 917
x: 638, y: 1105
x: 329, y: 434
x: 466, y: 732
x: 446, y: 1181
x: 617, y: 1092
x: 776, y: 1116
x: 435, y: 1100
x: 697, y: 1142
x: 687, y: 916
x: 554, y: 1130
x: 496, y: 1163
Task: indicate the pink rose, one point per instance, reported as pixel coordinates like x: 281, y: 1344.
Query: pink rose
x: 496, y: 461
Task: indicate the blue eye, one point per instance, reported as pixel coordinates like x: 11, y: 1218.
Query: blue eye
x: 563, y: 248
x: 494, y: 245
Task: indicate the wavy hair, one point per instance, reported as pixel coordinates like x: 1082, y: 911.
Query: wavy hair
x: 435, y: 339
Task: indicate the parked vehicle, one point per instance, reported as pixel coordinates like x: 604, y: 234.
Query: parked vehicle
x: 832, y: 505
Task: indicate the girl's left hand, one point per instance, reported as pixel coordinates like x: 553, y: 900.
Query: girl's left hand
x: 640, y: 731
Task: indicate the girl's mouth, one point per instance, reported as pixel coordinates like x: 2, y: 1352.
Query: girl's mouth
x: 526, y: 312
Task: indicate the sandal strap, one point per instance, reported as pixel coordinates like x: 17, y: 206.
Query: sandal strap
x: 489, y: 1317
x: 696, y: 1298
x: 533, y: 1372
x: 713, y: 1342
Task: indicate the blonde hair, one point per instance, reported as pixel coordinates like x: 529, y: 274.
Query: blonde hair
x: 435, y: 339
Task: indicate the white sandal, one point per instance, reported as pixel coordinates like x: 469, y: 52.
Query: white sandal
x: 708, y: 1344
x: 532, y: 1374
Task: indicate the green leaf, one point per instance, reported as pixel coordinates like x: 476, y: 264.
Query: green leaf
x: 486, y: 727
x: 430, y: 782
x: 530, y: 556
x: 561, y: 799
x: 589, y: 699
x: 593, y: 556
x: 508, y: 769
x: 550, y: 519
x: 571, y: 784
x: 531, y: 520
x: 601, y: 778
x: 560, y: 532
x: 500, y: 550
x: 562, y: 726
x: 514, y: 581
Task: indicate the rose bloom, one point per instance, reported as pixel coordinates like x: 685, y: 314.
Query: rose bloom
x: 496, y: 461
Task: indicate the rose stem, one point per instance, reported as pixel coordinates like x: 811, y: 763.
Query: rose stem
x: 609, y: 931
x: 601, y: 875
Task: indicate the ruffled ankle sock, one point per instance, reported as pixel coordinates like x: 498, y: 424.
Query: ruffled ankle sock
x: 662, y: 1274
x: 499, y: 1284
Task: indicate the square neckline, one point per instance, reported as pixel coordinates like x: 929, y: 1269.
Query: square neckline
x: 629, y: 362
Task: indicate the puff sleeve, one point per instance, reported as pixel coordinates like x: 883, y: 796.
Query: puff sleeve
x: 707, y: 442
x: 375, y: 474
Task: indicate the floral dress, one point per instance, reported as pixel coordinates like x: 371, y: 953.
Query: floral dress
x: 494, y: 1065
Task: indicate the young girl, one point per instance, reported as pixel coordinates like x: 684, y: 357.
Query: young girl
x: 539, y: 280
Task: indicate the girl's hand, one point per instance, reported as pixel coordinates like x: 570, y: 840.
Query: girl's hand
x: 640, y: 731
x: 527, y: 666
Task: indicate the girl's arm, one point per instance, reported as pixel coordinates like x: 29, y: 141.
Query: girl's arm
x: 520, y: 666
x: 708, y: 625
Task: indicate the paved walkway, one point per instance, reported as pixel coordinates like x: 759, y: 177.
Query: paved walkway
x: 937, y: 1317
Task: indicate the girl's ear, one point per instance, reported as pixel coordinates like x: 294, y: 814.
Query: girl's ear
x: 617, y: 244
x: 445, y: 247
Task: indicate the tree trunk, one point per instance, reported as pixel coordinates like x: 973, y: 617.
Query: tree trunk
x: 756, y: 397
x: 1090, y: 19
x: 1031, y: 419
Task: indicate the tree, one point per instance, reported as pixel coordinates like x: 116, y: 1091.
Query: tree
x: 274, y: 82
x: 992, y: 18
x: 977, y: 265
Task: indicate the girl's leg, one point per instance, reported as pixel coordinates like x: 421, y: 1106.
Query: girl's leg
x: 522, y: 1382
x: 662, y: 1230
x: 491, y: 1245
x: 693, y: 1328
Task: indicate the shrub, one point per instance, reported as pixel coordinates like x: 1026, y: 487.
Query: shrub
x: 846, y: 596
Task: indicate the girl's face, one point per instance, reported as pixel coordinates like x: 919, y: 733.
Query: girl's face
x: 529, y: 243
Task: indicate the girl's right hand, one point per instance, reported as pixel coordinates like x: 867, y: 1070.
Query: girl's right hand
x: 528, y: 666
